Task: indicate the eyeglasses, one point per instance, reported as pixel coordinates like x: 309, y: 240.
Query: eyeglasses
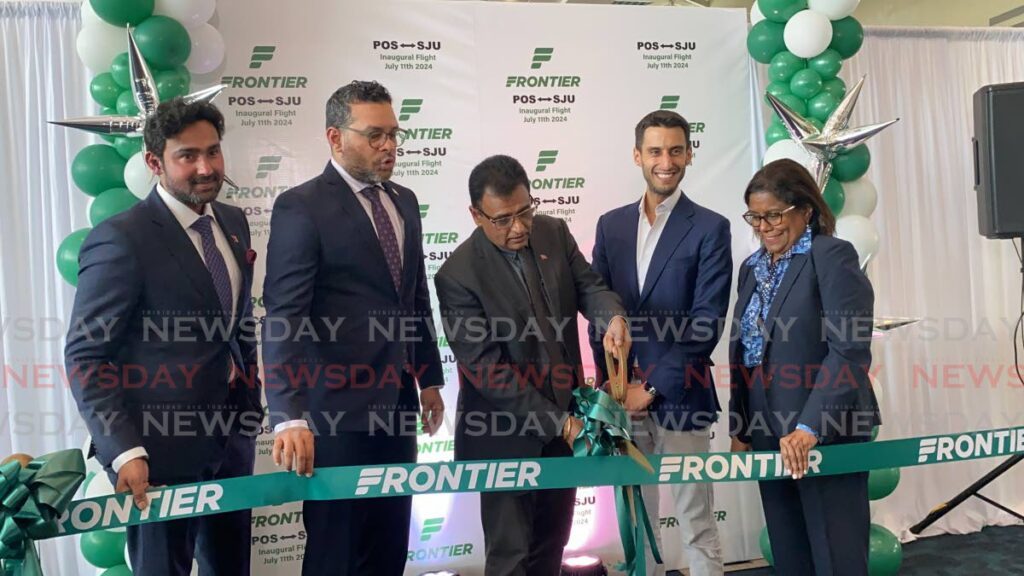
x: 525, y: 216
x: 377, y: 137
x: 773, y: 218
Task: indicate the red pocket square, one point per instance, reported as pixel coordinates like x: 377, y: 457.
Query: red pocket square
x: 250, y: 256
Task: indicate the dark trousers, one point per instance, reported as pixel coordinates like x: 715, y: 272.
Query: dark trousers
x: 817, y: 526
x: 525, y: 532
x: 220, y: 543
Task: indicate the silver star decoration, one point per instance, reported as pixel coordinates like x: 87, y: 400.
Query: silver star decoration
x: 146, y: 98
x: 835, y: 136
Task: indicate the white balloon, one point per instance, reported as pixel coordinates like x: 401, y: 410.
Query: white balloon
x: 97, y: 44
x: 807, y: 33
x: 207, y: 50
x: 756, y: 13
x: 191, y: 13
x: 834, y: 9
x: 860, y: 232
x: 137, y: 176
x: 788, y: 149
x: 876, y: 385
x: 89, y: 16
x: 861, y: 197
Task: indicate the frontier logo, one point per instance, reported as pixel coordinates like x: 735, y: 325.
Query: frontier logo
x: 423, y: 210
x: 739, y: 466
x: 967, y: 446
x: 546, y: 158
x: 540, y: 57
x: 409, y: 107
x: 431, y: 526
x: 261, y: 54
x: 447, y: 477
x: 266, y: 165
x: 669, y: 102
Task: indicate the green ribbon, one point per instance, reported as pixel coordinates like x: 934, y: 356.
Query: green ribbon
x: 32, y: 500
x: 605, y: 432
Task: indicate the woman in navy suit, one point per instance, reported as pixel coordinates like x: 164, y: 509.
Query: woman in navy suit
x: 800, y: 354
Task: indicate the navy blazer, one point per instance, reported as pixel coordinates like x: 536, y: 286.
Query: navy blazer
x: 148, y: 340
x: 333, y: 335
x: 818, y: 350
x: 678, y: 319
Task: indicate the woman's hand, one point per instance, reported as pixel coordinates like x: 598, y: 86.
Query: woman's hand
x: 795, y: 448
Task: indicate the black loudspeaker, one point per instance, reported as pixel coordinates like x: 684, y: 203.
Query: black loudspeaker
x: 999, y: 159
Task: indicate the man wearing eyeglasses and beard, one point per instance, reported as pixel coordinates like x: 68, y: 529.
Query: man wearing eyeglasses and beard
x: 345, y: 261
x: 509, y: 297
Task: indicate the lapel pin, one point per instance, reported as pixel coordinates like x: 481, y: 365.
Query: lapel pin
x: 543, y: 256
x: 234, y: 239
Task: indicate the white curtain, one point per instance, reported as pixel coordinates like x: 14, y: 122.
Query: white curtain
x: 933, y: 264
x: 43, y: 80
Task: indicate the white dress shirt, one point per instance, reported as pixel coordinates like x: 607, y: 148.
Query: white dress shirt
x: 647, y: 234
x: 186, y: 217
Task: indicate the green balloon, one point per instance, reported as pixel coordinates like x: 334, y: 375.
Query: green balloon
x: 834, y: 195
x: 836, y: 87
x: 126, y: 104
x: 805, y: 84
x: 847, y: 36
x: 765, y: 40
x: 781, y: 10
x: 163, y: 41
x: 882, y: 482
x: 795, y: 103
x: 766, y: 547
x: 104, y: 90
x: 110, y: 202
x: 120, y: 570
x: 103, y: 548
x: 822, y: 105
x: 826, y: 64
x: 170, y: 84
x: 852, y: 164
x: 816, y: 123
x: 105, y: 111
x: 784, y: 65
x: 122, y: 12
x: 778, y: 89
x: 775, y: 133
x: 885, y: 553
x: 127, y: 147
x: 67, y: 255
x: 874, y: 433
x: 97, y: 168
x: 121, y: 71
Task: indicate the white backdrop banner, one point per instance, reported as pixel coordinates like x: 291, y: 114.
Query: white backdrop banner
x: 558, y: 87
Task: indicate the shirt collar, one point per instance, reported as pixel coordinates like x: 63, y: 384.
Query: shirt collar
x: 802, y: 246
x: 665, y: 207
x: 181, y: 212
x: 355, y: 185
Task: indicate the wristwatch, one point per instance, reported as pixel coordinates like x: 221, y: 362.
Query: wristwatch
x: 650, y: 390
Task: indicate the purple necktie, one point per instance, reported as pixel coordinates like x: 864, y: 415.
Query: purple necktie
x: 385, y: 235
x: 214, y: 262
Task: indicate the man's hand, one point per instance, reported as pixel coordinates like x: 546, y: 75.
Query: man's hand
x: 739, y: 445
x: 795, y: 448
x: 637, y: 400
x: 617, y: 338
x: 133, y: 476
x: 431, y: 409
x: 293, y: 448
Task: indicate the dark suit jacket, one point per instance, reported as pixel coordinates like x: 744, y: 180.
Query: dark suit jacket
x: 332, y: 339
x: 502, y: 411
x: 818, y: 352
x: 169, y: 347
x: 678, y: 318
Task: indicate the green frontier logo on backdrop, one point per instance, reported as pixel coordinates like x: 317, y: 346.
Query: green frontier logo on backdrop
x: 261, y: 54
x: 540, y: 56
x: 669, y: 102
x: 423, y: 210
x: 431, y: 526
x: 409, y: 107
x: 266, y: 165
x: 546, y: 158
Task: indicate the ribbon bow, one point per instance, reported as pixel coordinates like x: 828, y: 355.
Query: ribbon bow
x: 32, y: 499
x: 606, y: 426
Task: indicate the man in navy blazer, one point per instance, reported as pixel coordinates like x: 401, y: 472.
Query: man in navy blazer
x: 348, y: 336
x: 670, y: 261
x: 162, y: 350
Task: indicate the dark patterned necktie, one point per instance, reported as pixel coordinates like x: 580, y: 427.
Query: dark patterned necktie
x: 385, y: 235
x: 214, y: 262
